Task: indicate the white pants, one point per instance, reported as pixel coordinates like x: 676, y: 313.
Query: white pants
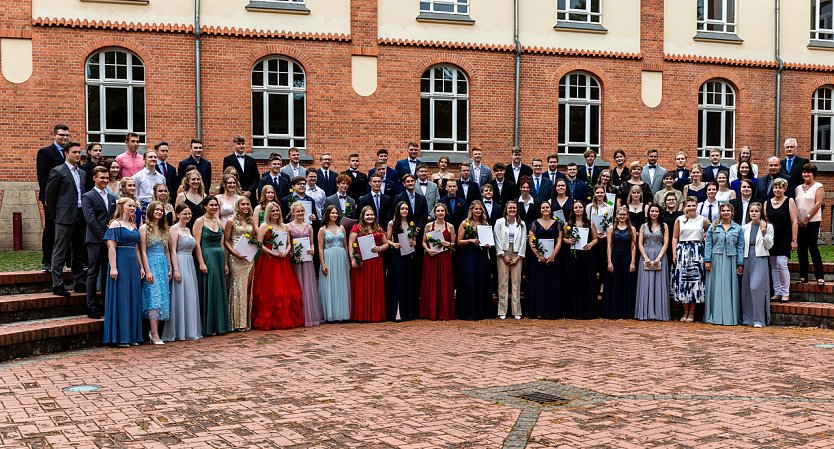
x: 780, y: 275
x: 509, y: 276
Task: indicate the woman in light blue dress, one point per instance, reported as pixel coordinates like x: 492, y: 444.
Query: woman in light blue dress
x: 184, y: 317
x: 723, y: 262
x: 123, y: 297
x: 156, y: 294
x: 334, y: 285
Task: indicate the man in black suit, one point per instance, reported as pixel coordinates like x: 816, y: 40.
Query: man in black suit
x: 589, y: 173
x: 681, y: 172
x: 417, y: 202
x: 541, y: 188
x: 275, y: 178
x: 553, y: 168
x: 516, y: 170
x: 711, y: 171
x: 196, y: 159
x: 168, y: 171
x: 791, y: 166
x: 764, y: 189
x: 388, y: 185
x: 492, y: 208
x: 379, y: 201
x: 97, y: 206
x: 503, y: 189
x: 63, y: 199
x: 49, y: 157
x: 247, y: 169
x: 326, y: 178
x: 457, y: 207
x: 390, y: 174
x: 94, y: 159
x: 578, y: 189
x: 359, y: 180
x: 299, y: 194
x: 342, y: 200
x: 468, y: 189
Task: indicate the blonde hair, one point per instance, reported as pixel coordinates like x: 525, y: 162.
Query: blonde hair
x: 120, y: 208
x: 162, y: 224
x: 295, y: 206
x: 123, y: 183
x: 470, y: 217
x: 268, y: 210
x: 187, y: 178
x: 238, y: 216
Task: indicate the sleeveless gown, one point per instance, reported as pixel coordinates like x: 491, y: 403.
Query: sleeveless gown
x: 184, y: 319
x: 156, y: 297
x: 437, y: 288
x: 240, y: 304
x: 368, y: 286
x: 543, y: 293
x: 334, y: 289
x: 618, y: 300
x: 403, y: 285
x: 653, y: 286
x: 306, y: 274
x: 474, y: 296
x: 276, y: 294
x: 123, y: 297
x: 214, y: 300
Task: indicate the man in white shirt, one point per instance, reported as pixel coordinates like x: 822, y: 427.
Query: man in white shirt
x: 147, y: 178
x: 294, y: 168
x: 426, y: 187
x: 315, y: 192
x: 481, y: 174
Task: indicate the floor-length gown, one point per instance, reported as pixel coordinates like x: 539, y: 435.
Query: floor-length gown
x: 619, y: 296
x: 403, y: 286
x: 722, y: 296
x: 184, y: 321
x: 214, y: 299
x: 240, y: 303
x: 437, y: 287
x: 652, y: 285
x: 334, y: 288
x: 156, y: 296
x: 306, y: 274
x: 543, y: 295
x: 123, y: 297
x: 276, y: 294
x: 579, y: 296
x: 755, y: 285
x: 367, y: 282
x: 474, y: 293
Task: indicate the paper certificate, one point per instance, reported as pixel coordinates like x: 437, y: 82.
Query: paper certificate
x: 246, y: 249
x: 305, y: 246
x: 366, y: 244
x: 547, y: 245
x: 308, y: 210
x: 583, y: 238
x: 611, y: 199
x: 405, y: 244
x: 485, y: 235
x: 438, y: 234
x: 597, y: 219
x: 283, y: 238
x: 559, y: 215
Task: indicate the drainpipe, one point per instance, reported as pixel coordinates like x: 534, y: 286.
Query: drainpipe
x: 778, y: 78
x: 199, y: 99
x: 517, y: 71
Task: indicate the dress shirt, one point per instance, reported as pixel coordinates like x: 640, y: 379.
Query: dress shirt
x: 295, y: 169
x: 708, y: 210
x: 241, y: 160
x: 715, y: 169
x: 476, y: 173
x: 516, y: 172
x: 465, y: 186
x: 163, y: 168
x: 552, y: 176
x: 411, y: 200
x: 145, y: 180
x: 103, y: 195
x: 500, y: 185
x: 412, y: 165
x: 60, y: 150
x: 325, y: 174
x: 76, y: 176
x: 652, y: 170
x: 488, y: 207
x: 744, y: 204
x: 318, y: 197
x: 589, y: 173
x: 130, y: 164
x: 424, y: 185
x: 538, y: 183
x: 343, y: 202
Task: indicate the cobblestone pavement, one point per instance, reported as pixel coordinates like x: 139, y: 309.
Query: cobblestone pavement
x: 416, y: 385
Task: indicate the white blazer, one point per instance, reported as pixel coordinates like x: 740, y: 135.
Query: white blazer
x: 763, y: 244
x: 502, y: 237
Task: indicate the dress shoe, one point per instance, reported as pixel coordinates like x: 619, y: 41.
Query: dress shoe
x: 46, y: 268
x: 60, y: 291
x: 95, y: 316
x: 80, y: 288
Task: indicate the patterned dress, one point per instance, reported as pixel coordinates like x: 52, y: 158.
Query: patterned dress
x: 689, y: 277
x: 156, y: 296
x: 240, y: 304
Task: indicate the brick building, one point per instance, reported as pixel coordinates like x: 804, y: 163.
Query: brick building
x: 356, y: 75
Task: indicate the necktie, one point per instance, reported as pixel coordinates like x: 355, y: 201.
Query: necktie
x: 411, y: 199
x: 537, y: 186
x: 789, y: 164
x: 275, y: 180
x: 164, y: 170
x: 376, y: 201
x: 325, y: 173
x: 452, y: 205
x: 104, y: 198
x: 709, y: 212
x: 589, y: 173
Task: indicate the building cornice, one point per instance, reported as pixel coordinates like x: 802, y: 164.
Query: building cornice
x: 446, y: 44
x: 720, y: 61
x: 585, y: 53
x: 241, y: 32
x: 809, y: 67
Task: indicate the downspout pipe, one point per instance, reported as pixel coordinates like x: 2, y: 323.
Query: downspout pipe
x: 198, y: 70
x: 778, y: 78
x: 517, y: 71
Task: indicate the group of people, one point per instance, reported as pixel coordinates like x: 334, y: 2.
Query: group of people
x: 297, y: 247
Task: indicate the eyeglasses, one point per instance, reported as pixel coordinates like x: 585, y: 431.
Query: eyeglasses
x: 790, y: 146
x: 62, y: 135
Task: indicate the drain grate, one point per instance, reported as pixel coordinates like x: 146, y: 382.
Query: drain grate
x: 543, y: 398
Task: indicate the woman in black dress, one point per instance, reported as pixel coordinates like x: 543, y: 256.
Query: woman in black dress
x: 528, y: 209
x: 620, y: 173
x: 781, y: 212
x: 543, y: 292
x: 634, y: 180
x: 579, y: 291
x: 561, y: 200
x: 620, y: 296
x: 636, y: 207
x: 475, y: 292
x: 403, y: 276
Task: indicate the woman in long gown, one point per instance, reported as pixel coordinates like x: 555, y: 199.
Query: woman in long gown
x: 334, y: 288
x: 437, y: 287
x: 156, y: 296
x: 276, y: 293
x: 723, y: 262
x: 240, y: 300
x: 227, y: 196
x: 689, y: 276
x: 653, y: 269
x: 404, y: 278
x: 561, y: 201
x: 619, y: 298
x: 579, y: 297
x: 636, y: 207
x: 305, y: 271
x: 781, y: 213
x: 475, y: 291
x: 123, y: 296
x: 755, y: 281
x: 193, y: 196
x: 543, y: 293
x: 214, y: 296
x: 184, y: 318
x: 602, y: 214
x: 367, y: 279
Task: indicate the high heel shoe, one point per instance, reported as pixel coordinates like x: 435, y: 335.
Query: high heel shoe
x: 155, y: 342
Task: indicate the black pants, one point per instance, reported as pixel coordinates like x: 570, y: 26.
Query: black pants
x: 806, y: 240
x: 47, y: 238
x: 69, y: 237
x: 97, y: 270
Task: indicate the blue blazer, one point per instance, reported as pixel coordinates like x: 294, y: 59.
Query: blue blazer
x: 461, y: 210
x: 402, y: 168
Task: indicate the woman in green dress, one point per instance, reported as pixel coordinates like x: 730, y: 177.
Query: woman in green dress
x: 214, y: 300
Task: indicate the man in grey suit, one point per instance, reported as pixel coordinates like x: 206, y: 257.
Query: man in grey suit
x: 426, y: 188
x: 63, y: 199
x: 481, y: 174
x: 97, y: 206
x: 341, y: 200
x: 653, y: 172
x: 294, y: 168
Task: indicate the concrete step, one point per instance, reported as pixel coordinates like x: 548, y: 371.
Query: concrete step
x: 813, y: 293
x: 37, y: 337
x: 803, y: 314
x: 17, y: 282
x: 38, y: 306
x: 827, y: 267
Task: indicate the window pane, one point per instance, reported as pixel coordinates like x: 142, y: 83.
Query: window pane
x: 121, y: 71
x: 443, y: 119
x: 715, y: 10
x: 279, y: 114
x: 425, y: 84
x: 462, y: 88
x: 713, y: 137
x: 594, y: 125
x: 595, y: 6
x: 729, y: 118
x: 701, y: 129
x: 577, y: 4
x: 560, y: 4
x: 826, y: 22
x: 577, y: 116
x: 700, y: 11
x: 298, y: 78
x: 462, y: 120
x: 562, y: 123
x: 298, y: 115
x: 115, y: 108
x: 441, y: 7
x: 439, y: 146
x: 139, y: 109
x: 93, y: 108
x: 425, y: 119
x: 93, y: 70
x: 257, y: 114
x: 109, y: 71
x: 257, y: 76
x: 578, y: 17
x: 731, y: 11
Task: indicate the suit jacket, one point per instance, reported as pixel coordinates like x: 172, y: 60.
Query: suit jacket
x: 170, y: 180
x: 204, y: 167
x: 386, y: 206
x: 48, y: 158
x: 389, y: 188
x: 764, y: 188
x: 461, y: 210
x: 248, y: 175
x: 402, y: 168
x: 583, y: 174
x: 282, y: 187
x: 359, y: 183
x: 559, y: 175
x: 507, y: 192
x: 473, y: 192
x: 657, y: 184
x: 708, y: 175
x: 486, y: 174
x: 579, y: 191
x: 545, y: 189
x: 350, y: 203
x: 528, y: 216
x: 96, y: 215
x: 285, y: 208
x: 526, y: 170
x: 681, y: 178
x: 328, y: 186
x: 736, y: 202
x: 432, y: 194
x: 497, y: 212
x: 420, y: 209
x: 794, y: 177
x: 287, y: 170
x: 61, y: 194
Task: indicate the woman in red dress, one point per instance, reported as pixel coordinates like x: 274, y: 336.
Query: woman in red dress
x: 276, y: 293
x: 367, y: 278
x: 437, y: 288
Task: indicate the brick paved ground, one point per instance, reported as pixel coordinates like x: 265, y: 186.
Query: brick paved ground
x: 411, y: 385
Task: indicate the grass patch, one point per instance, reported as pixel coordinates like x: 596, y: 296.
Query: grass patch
x: 826, y: 251
x: 20, y: 261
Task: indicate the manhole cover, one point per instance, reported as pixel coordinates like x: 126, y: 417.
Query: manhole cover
x: 824, y: 346
x: 82, y: 388
x: 543, y: 398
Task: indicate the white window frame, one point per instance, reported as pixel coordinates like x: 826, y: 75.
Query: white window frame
x: 265, y: 89
x: 726, y: 27
x: 707, y: 104
x: 822, y: 106
x: 459, y: 7
x: 564, y: 12
x: 103, y: 82
x: 459, y: 143
x: 586, y: 102
x: 817, y: 32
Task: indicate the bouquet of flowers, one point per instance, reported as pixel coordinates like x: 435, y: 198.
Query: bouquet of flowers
x: 538, y: 245
x: 270, y: 238
x: 607, y: 218
x: 437, y: 243
x: 469, y: 231
x: 412, y: 230
x: 291, y: 199
x: 348, y: 210
x: 295, y: 254
x: 357, y: 256
x: 573, y: 233
x: 252, y: 239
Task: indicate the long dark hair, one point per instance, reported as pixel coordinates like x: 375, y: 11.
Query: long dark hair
x: 397, y: 228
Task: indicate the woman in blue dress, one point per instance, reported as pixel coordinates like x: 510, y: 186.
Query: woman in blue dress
x: 543, y: 291
x: 724, y: 263
x: 334, y: 286
x: 404, y: 284
x: 475, y: 292
x: 156, y: 293
x: 123, y: 297
x: 184, y: 317
x: 619, y: 297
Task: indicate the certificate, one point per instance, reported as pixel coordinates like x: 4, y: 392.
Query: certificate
x: 547, y: 245
x: 583, y: 238
x: 308, y: 210
x: 611, y: 199
x: 305, y: 246
x: 560, y: 216
x: 405, y: 244
x: 438, y: 234
x: 366, y: 244
x: 597, y: 219
x: 281, y: 241
x: 485, y: 235
x: 246, y: 249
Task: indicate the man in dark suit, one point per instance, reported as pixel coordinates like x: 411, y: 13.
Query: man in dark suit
x: 48, y: 158
x: 711, y: 171
x: 275, y: 178
x: 390, y: 174
x: 417, y: 202
x: 764, y: 189
x: 388, y: 186
x: 457, y: 207
x: 590, y: 172
x: 247, y: 169
x: 791, y: 166
x: 578, y: 189
x: 63, y: 199
x: 541, y: 188
x: 681, y: 172
x: 97, y: 206
x: 167, y: 170
x: 468, y: 189
x: 504, y: 189
x: 409, y: 164
x: 359, y: 180
x: 516, y: 170
x: 492, y: 208
x: 94, y: 159
x: 380, y: 202
x: 196, y: 159
x: 299, y: 194
x: 326, y: 178
x: 553, y: 168
x: 342, y: 200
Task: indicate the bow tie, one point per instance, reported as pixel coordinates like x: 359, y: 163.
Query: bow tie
x: 487, y: 202
x: 424, y: 184
x: 342, y: 197
x: 413, y: 161
x: 652, y: 166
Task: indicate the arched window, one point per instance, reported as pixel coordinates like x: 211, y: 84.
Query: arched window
x: 822, y: 113
x: 716, y: 118
x: 279, y: 111
x: 580, y: 102
x: 444, y: 109
x: 115, y: 98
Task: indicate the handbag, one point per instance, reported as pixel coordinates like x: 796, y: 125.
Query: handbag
x: 648, y: 266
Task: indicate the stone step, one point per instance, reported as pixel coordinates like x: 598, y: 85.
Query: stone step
x: 17, y: 282
x: 38, y: 306
x: 811, y: 292
x: 36, y: 337
x: 827, y: 267
x: 803, y: 314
